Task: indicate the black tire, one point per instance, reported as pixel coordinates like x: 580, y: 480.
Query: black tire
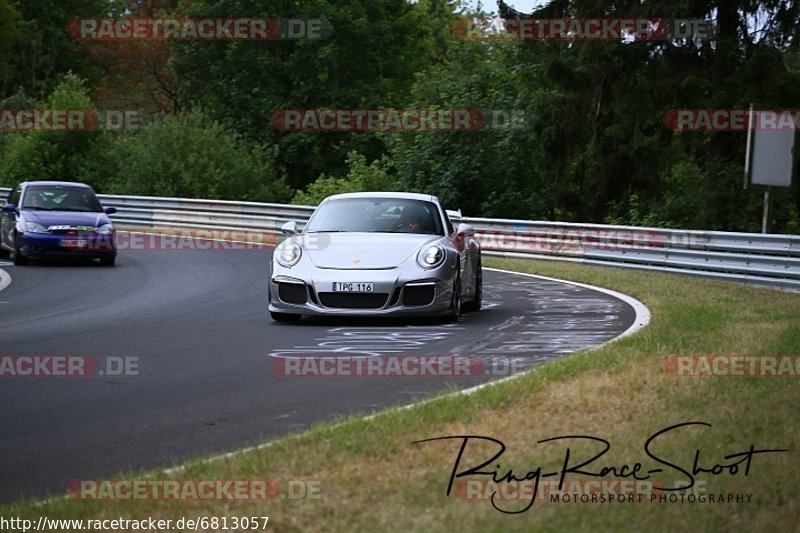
x: 455, y: 302
x: 475, y: 304
x: 108, y: 261
x: 284, y: 317
x: 4, y: 254
x: 19, y: 259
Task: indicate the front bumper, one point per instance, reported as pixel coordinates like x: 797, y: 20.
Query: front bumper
x: 66, y: 245
x: 309, y: 292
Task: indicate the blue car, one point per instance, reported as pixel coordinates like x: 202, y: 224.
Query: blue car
x: 56, y: 219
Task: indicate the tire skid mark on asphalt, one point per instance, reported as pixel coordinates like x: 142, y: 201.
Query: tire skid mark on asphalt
x: 641, y: 317
x: 556, y: 319
x: 549, y: 331
x: 641, y: 320
x: 371, y: 341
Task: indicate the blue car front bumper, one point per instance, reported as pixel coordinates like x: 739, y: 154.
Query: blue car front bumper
x: 67, y: 245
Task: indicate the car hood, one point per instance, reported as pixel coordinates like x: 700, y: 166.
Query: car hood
x: 67, y: 218
x: 361, y: 251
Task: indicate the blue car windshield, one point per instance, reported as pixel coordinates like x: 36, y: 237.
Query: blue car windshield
x: 376, y: 215
x: 60, y: 198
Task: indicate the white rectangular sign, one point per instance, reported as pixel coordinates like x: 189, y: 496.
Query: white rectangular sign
x: 773, y: 153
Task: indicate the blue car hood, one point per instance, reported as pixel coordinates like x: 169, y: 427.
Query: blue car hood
x: 67, y: 218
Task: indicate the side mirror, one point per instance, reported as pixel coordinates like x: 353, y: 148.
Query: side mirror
x: 110, y: 210
x: 10, y: 208
x: 465, y: 230
x: 289, y: 228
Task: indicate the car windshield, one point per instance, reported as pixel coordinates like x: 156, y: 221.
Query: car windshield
x: 60, y: 198
x: 376, y: 215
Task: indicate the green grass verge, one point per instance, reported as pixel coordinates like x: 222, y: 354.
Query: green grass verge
x: 371, y: 477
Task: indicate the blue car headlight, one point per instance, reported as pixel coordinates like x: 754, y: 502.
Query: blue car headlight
x: 288, y: 254
x: 33, y: 227
x: 431, y: 256
x: 105, y: 229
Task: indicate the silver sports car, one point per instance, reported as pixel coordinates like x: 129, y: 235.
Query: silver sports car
x: 378, y: 253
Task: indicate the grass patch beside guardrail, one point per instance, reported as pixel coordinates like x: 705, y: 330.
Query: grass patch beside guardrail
x: 371, y: 476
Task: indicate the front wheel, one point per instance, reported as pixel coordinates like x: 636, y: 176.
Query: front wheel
x: 455, y: 300
x: 475, y: 303
x: 19, y: 259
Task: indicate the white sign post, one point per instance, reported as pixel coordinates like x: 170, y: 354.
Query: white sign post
x: 769, y: 159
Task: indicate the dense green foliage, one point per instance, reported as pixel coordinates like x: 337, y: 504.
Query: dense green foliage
x: 592, y: 145
x: 375, y: 176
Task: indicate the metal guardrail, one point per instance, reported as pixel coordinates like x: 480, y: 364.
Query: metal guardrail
x: 771, y: 259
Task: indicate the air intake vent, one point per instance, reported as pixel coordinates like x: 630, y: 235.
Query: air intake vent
x: 345, y: 300
x: 292, y: 293
x: 418, y: 294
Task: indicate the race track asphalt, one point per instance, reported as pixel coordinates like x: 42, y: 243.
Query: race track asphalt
x: 198, y: 325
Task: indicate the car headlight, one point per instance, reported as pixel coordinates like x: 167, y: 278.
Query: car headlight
x: 288, y: 254
x: 431, y: 256
x: 105, y: 229
x: 33, y: 227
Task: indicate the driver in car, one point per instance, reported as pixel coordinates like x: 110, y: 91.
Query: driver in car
x: 415, y: 218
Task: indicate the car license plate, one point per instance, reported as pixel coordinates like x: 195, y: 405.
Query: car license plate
x: 352, y: 286
x: 74, y: 243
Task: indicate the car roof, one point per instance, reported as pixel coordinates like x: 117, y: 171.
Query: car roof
x: 56, y: 184
x: 402, y: 195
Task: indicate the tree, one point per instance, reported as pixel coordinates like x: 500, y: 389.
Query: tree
x: 368, y: 62
x: 43, y: 51
x: 187, y: 156
x: 43, y: 154
x: 361, y: 177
